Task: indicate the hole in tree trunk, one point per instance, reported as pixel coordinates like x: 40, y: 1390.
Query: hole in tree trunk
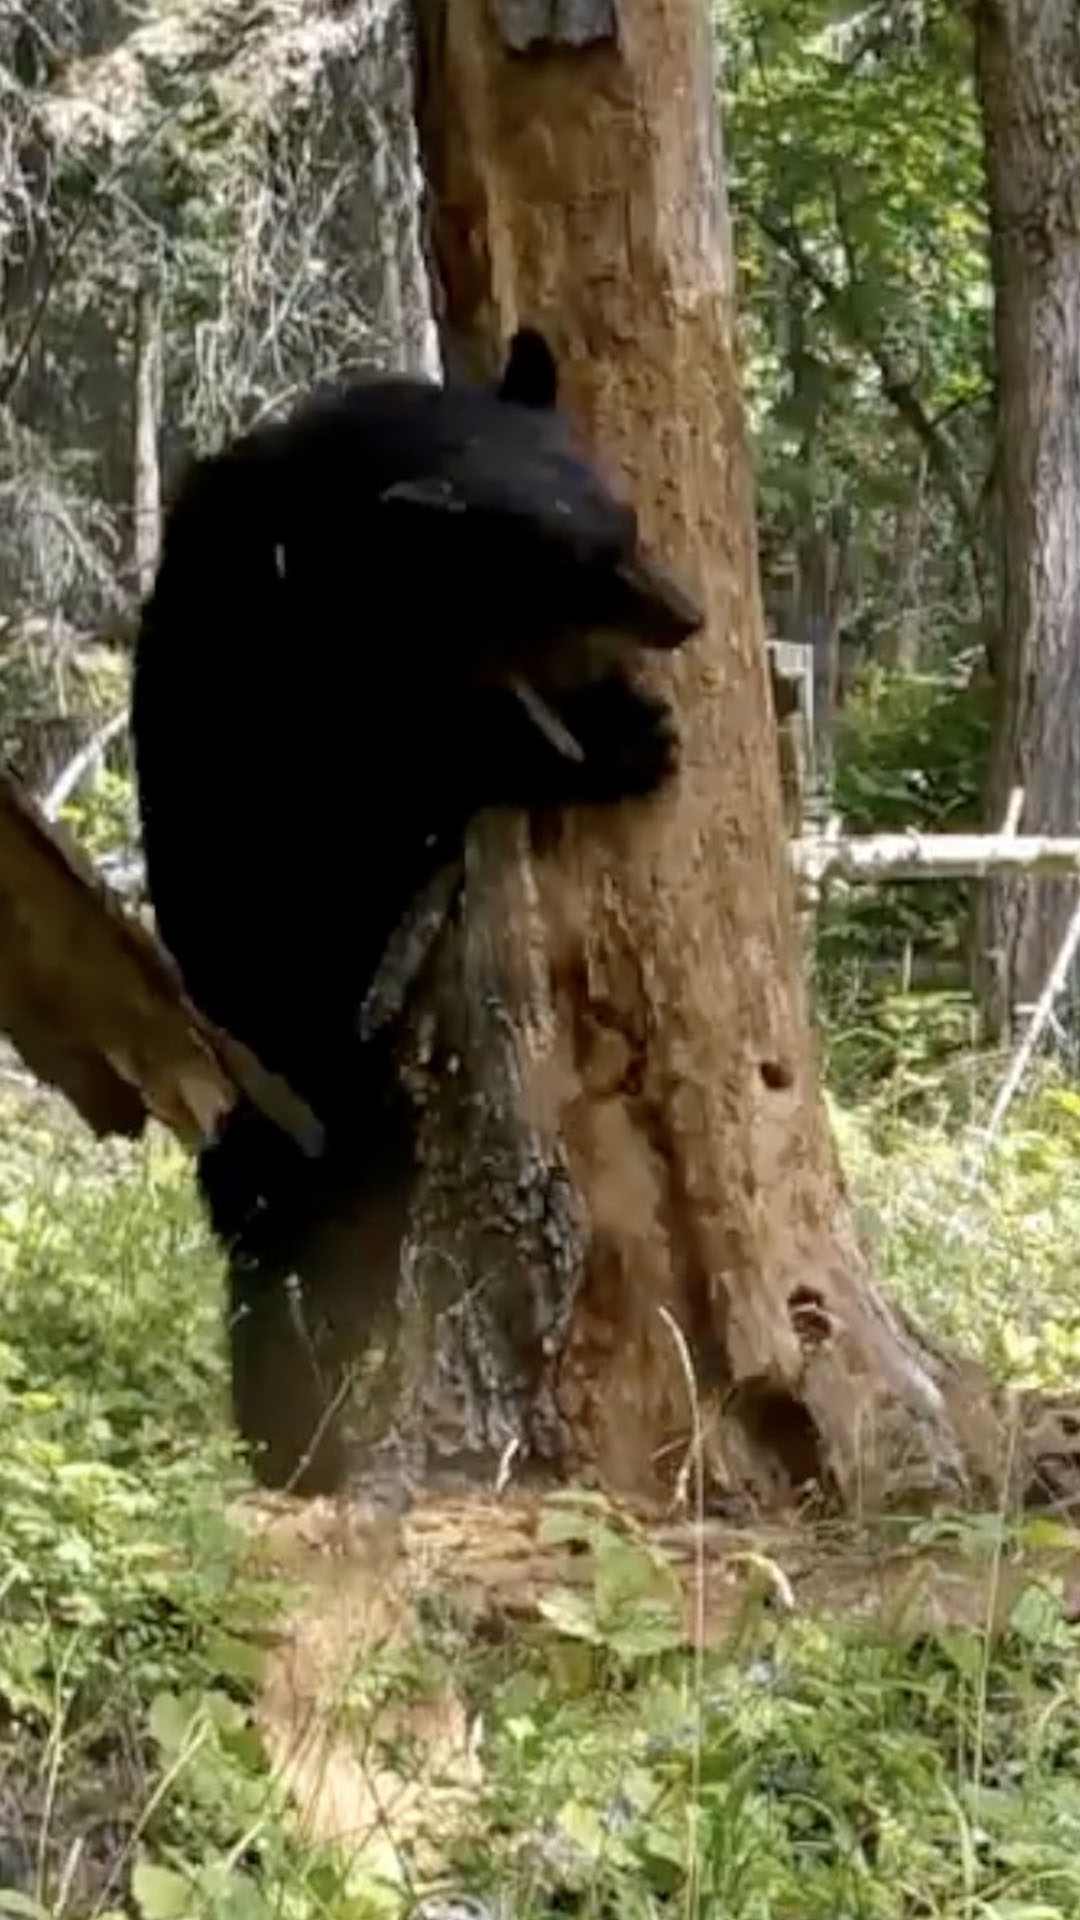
x: 778, y: 1425
x: 810, y: 1317
x: 777, y: 1075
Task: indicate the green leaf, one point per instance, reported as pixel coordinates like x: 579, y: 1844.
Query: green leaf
x: 1036, y: 1617
x: 161, y: 1894
x: 21, y: 1905
x: 170, y: 1723
x: 570, y: 1613
x: 645, y: 1632
x: 1042, y: 1532
x: 237, y: 1659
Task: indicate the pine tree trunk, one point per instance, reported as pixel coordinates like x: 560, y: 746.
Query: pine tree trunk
x: 1028, y: 54
x: 621, y: 1105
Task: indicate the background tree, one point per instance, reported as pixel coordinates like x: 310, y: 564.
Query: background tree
x: 1028, y: 60
x: 861, y: 237
x: 260, y: 174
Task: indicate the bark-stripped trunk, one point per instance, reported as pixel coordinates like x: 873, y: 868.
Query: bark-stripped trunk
x: 1029, y: 81
x: 621, y: 1105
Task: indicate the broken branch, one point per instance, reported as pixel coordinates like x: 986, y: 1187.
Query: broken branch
x: 863, y: 859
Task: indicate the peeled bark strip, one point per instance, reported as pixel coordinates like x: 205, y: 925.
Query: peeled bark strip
x: 1028, y: 56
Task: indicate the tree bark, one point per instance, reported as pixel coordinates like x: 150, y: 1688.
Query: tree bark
x: 146, y: 411
x: 818, y: 582
x: 1028, y: 62
x: 817, y: 606
x: 905, y: 650
x: 610, y: 1046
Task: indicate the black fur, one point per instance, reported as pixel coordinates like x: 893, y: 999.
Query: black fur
x: 322, y: 699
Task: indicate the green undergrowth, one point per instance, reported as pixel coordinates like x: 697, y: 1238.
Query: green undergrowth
x: 811, y: 1767
x: 130, y: 1624
x: 979, y: 1242
x: 823, y: 1762
x: 910, y: 752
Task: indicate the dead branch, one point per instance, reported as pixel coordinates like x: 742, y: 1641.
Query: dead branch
x: 866, y: 858
x: 58, y: 795
x: 1052, y: 991
x: 95, y: 1007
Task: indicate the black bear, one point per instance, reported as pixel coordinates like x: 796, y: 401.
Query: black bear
x: 404, y: 603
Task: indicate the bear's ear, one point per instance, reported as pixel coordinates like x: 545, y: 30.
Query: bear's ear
x: 531, y: 377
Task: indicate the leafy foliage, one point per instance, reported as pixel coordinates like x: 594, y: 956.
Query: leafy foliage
x: 817, y: 1768
x: 124, y: 1587
x: 911, y: 751
x: 987, y: 1264
x: 860, y: 223
x: 811, y: 1762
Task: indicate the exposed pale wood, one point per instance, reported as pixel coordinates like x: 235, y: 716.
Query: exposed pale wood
x: 791, y: 669
x: 93, y: 1005
x: 932, y: 856
x: 92, y: 751
x: 146, y: 410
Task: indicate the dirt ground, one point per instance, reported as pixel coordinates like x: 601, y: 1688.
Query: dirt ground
x: 358, y: 1581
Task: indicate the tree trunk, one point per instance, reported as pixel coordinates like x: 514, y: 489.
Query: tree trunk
x: 146, y: 409
x: 818, y: 583
x: 382, y: 211
x: 1028, y: 57
x: 904, y: 653
x: 621, y: 1110
x: 817, y: 604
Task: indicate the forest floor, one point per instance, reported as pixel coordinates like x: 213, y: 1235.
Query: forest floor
x: 219, y: 1702
x: 505, y: 1571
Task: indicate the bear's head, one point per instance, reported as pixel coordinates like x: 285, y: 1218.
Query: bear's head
x: 540, y: 550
